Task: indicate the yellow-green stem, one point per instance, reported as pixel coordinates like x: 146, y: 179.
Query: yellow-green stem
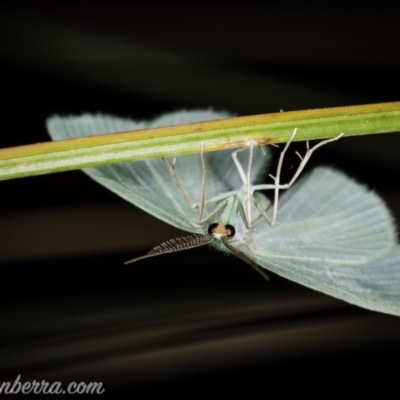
x: 114, y: 148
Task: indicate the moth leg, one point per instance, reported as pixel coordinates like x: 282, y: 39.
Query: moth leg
x: 300, y: 168
x: 242, y: 214
x: 171, y: 169
x: 262, y: 148
x: 248, y: 202
x: 218, y: 208
x: 203, y: 183
x: 219, y: 197
x: 277, y: 177
x: 245, y: 176
x: 231, y: 206
x: 261, y: 210
x: 277, y: 186
x: 239, y: 167
x: 307, y: 156
x: 246, y: 259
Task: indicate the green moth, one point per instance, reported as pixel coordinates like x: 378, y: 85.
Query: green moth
x: 330, y: 234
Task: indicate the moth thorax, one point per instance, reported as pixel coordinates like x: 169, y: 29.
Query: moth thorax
x: 221, y: 230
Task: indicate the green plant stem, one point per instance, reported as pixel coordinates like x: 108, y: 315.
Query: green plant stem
x: 44, y: 158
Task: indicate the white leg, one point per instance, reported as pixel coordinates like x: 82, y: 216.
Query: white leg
x: 171, y: 169
x: 219, y: 207
x: 248, y: 187
x: 277, y: 177
x: 246, y: 179
x: 239, y: 166
x: 308, y: 155
x: 222, y: 196
x: 277, y: 186
x: 219, y: 197
x: 239, y: 207
x: 203, y: 183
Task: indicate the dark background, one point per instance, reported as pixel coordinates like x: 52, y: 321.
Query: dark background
x: 196, y: 320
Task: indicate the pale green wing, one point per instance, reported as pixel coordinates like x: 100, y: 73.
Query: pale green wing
x: 332, y: 235
x: 148, y: 184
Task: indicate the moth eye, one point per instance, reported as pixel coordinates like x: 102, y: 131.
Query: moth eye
x: 211, y: 228
x: 230, y: 231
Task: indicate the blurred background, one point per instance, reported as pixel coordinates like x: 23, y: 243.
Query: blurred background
x: 70, y: 311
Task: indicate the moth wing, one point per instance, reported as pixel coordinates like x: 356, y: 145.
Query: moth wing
x: 148, y: 184
x: 335, y: 236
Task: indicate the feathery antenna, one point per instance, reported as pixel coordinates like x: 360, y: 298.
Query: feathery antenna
x: 178, y: 244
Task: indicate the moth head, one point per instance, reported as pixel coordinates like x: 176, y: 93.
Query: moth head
x: 221, y: 230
